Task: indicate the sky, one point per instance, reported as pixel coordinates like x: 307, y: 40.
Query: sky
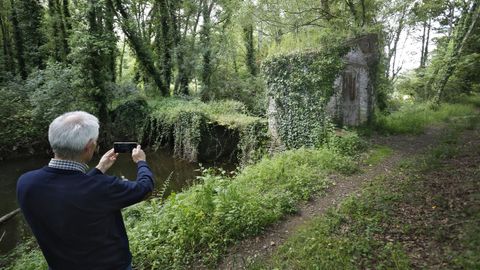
x: 410, y: 48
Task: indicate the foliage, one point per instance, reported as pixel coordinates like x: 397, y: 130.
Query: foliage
x: 36, y: 101
x: 247, y: 89
x: 182, y: 123
x: 347, y: 143
x: 25, y: 256
x: 301, y: 84
x: 54, y: 91
x: 414, y: 118
x: 198, y: 224
x: 309, y: 40
x: 16, y: 118
x: 129, y: 118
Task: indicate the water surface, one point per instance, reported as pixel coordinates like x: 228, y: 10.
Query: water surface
x: 161, y: 162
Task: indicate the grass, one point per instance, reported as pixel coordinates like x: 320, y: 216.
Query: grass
x: 377, y: 154
x: 228, y: 113
x: 414, y: 118
x: 344, y: 238
x: 414, y: 204
x: 197, y: 225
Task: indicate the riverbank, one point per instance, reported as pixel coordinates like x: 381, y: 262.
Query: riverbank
x: 194, y: 130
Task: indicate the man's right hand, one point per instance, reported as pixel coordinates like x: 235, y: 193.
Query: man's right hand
x: 138, y: 154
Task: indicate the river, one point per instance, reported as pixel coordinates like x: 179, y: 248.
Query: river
x: 161, y: 162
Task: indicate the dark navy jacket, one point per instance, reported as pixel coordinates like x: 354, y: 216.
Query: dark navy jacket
x: 76, y: 217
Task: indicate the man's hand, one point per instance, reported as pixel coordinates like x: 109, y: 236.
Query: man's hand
x: 107, y: 160
x: 138, y: 154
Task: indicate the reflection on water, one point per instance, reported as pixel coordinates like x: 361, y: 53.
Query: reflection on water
x: 161, y: 162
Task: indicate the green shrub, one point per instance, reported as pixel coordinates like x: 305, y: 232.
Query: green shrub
x: 246, y: 89
x: 129, y: 118
x: 348, y: 143
x: 25, y: 256
x: 16, y: 118
x: 54, y: 91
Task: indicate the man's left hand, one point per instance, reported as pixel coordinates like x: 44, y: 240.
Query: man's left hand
x: 107, y: 160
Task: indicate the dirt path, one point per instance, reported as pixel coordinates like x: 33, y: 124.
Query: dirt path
x: 242, y: 254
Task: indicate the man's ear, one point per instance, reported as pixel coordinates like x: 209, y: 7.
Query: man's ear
x: 90, y: 144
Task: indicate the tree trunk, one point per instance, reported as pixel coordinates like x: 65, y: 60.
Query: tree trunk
x: 250, y: 49
x: 364, y: 13
x: 112, y: 47
x: 427, y: 40
x: 164, y: 41
x: 207, y: 50
x: 142, y: 50
x: 17, y: 35
x: 120, y: 65
x: 63, y: 31
x: 464, y: 30
x: 392, y: 53
x: 54, y: 31
x: 7, y: 47
x: 95, y: 64
x: 422, y: 53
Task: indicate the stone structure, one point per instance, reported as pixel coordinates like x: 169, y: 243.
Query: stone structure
x: 350, y: 104
x: 354, y: 95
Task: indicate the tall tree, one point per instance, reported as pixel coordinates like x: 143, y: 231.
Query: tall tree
x: 395, y: 24
x: 206, y: 47
x: 30, y: 15
x: 164, y: 39
x: 6, y: 40
x: 250, y: 48
x: 55, y: 39
x: 19, y: 47
x: 468, y: 22
x: 93, y: 51
x: 141, y: 48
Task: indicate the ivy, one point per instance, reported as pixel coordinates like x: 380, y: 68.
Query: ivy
x: 301, y: 84
x: 253, y: 143
x: 181, y: 123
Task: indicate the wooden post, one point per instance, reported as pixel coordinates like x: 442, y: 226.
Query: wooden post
x: 9, y: 215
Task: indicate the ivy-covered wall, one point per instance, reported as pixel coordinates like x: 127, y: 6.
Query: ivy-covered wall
x: 299, y: 86
x: 307, y: 89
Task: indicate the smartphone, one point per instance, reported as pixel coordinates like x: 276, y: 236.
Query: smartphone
x: 124, y: 147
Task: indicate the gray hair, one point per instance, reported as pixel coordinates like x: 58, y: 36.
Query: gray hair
x: 69, y: 133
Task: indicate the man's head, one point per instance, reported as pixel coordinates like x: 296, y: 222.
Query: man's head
x: 74, y: 135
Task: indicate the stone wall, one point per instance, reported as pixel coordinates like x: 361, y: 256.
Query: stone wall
x: 353, y: 100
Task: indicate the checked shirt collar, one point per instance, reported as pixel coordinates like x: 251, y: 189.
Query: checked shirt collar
x: 67, y: 165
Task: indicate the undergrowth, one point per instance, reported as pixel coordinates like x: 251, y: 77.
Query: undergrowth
x: 414, y: 118
x: 197, y: 225
x: 370, y: 231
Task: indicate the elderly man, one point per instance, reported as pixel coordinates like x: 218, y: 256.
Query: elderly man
x: 74, y: 214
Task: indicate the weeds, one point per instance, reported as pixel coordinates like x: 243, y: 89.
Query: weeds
x: 414, y: 118
x: 197, y: 225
